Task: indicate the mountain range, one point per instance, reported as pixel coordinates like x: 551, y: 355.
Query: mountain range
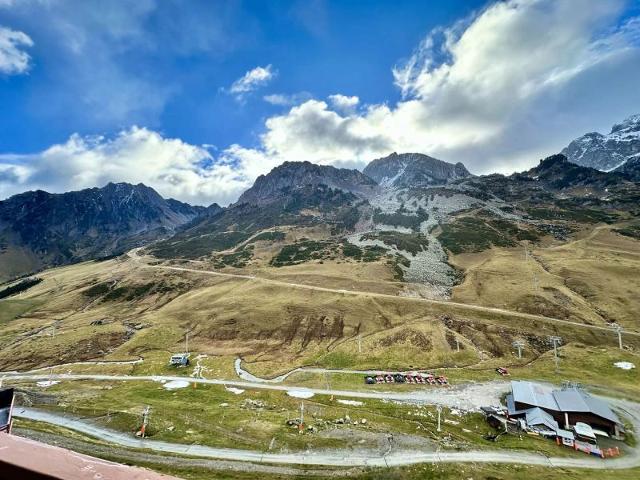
x: 40, y: 229
x: 439, y: 205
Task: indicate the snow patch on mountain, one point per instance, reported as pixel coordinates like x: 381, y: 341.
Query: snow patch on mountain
x: 607, y: 152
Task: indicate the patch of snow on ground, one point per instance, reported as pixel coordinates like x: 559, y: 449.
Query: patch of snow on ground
x: 625, y: 365
x: 353, y: 403
x: 47, y: 383
x: 235, y: 390
x: 300, y: 393
x: 176, y: 384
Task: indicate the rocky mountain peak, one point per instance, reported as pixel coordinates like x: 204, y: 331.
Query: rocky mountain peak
x: 406, y: 170
x: 558, y: 172
x: 53, y: 229
x: 607, y: 152
x: 630, y: 124
x: 294, y: 175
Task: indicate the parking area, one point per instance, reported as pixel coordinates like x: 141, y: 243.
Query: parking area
x: 410, y: 377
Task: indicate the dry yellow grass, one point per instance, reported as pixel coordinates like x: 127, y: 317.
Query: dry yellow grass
x: 594, y: 279
x: 278, y: 327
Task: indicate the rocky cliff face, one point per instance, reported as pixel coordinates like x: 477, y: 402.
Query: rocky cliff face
x: 630, y: 168
x: 607, y: 152
x: 39, y: 229
x: 294, y: 175
x: 557, y: 173
x: 407, y: 170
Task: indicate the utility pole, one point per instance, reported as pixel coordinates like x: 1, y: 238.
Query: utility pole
x: 555, y: 341
x: 457, y: 345
x: 359, y: 343
x: 519, y: 344
x: 439, y: 409
x: 186, y: 343
x: 618, y: 329
x: 145, y: 420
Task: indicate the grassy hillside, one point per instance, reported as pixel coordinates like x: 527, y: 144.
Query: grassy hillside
x: 121, y: 308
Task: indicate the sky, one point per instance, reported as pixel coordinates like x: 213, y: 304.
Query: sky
x: 198, y: 98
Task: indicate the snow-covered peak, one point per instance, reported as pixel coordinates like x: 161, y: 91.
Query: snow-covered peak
x: 607, y: 152
x: 631, y: 123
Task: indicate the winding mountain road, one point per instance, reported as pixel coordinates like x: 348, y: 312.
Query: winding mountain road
x: 344, y: 458
x: 465, y: 397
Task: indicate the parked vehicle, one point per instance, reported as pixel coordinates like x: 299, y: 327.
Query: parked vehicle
x: 179, y: 360
x: 410, y: 377
x: 502, y: 371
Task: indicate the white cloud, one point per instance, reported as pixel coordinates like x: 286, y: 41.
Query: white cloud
x: 174, y: 168
x: 497, y: 91
x: 251, y: 81
x: 13, y: 59
x: 343, y: 102
x: 287, y: 100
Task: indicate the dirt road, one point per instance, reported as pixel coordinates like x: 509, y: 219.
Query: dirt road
x: 133, y: 254
x: 469, y: 397
x: 336, y: 458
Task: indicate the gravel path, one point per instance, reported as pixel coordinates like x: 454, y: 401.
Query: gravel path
x: 468, y: 397
x: 349, y: 458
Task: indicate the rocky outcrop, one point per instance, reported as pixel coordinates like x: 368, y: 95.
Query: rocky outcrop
x: 408, y: 170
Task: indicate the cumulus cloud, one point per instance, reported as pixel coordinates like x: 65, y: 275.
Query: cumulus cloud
x: 174, y: 168
x: 13, y: 59
x: 251, y: 81
x: 343, y: 102
x: 498, y: 90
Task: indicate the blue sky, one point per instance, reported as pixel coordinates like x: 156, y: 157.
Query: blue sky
x: 316, y: 47
x: 197, y: 98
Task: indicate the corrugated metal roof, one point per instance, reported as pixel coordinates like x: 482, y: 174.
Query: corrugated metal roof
x: 568, y: 400
x: 537, y: 416
x: 584, y: 430
x: 565, y: 434
x: 533, y: 394
x: 600, y: 408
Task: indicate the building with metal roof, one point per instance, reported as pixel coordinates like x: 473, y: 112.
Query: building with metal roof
x: 566, y: 406
x: 537, y: 417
